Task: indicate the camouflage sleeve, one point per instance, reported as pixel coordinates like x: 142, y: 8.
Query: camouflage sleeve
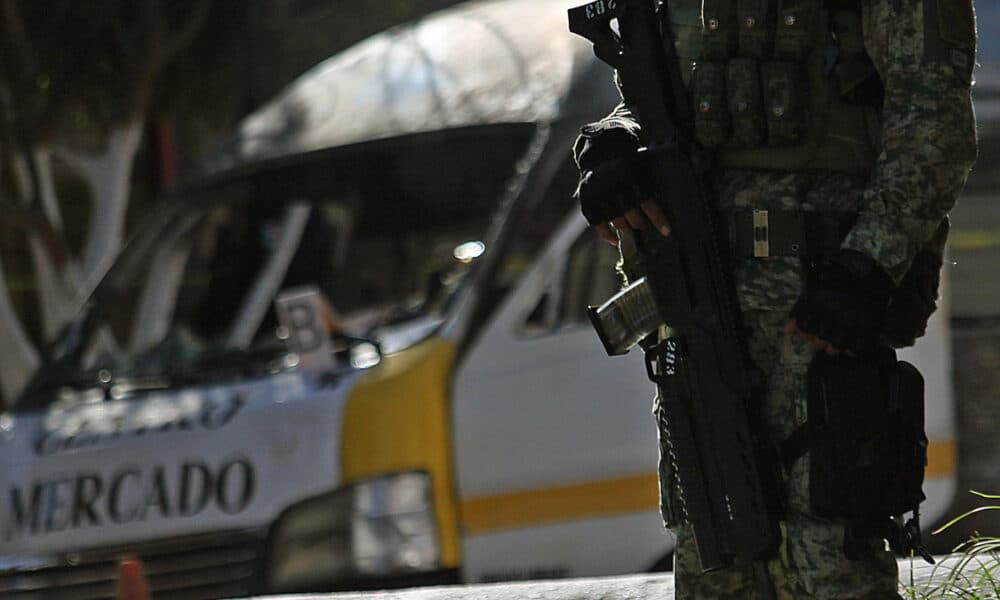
x: 924, y: 51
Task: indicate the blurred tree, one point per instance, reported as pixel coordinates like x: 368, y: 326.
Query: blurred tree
x: 82, y: 83
x: 77, y: 81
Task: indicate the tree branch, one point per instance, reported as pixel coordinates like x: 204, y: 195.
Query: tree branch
x: 120, y: 37
x: 78, y: 161
x: 21, y: 358
x: 31, y: 220
x: 65, y: 85
x: 14, y: 31
x: 311, y: 18
x: 8, y: 127
x: 188, y: 31
x: 163, y: 49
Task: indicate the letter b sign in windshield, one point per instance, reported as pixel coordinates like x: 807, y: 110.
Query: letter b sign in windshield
x: 300, y: 311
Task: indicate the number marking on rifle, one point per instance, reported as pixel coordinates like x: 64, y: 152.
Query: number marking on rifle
x: 599, y: 8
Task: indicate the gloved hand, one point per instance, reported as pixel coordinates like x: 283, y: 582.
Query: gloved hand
x: 615, y: 186
x: 843, y: 304
x: 616, y: 190
x: 914, y: 300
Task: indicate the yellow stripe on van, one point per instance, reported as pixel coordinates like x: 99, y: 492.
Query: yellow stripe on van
x: 942, y: 459
x: 398, y: 419
x: 610, y: 497
x: 563, y: 503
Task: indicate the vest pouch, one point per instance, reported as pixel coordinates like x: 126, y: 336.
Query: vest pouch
x: 756, y: 29
x: 711, y: 117
x: 719, y: 29
x: 784, y: 102
x: 746, y: 107
x: 793, y: 37
x: 866, y: 439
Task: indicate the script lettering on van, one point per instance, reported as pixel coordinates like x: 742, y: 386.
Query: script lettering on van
x: 129, y: 495
x: 104, y: 423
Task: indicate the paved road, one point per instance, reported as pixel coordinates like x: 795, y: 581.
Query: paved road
x: 629, y: 587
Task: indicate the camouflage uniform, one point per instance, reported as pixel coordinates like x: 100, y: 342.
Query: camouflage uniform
x: 923, y: 51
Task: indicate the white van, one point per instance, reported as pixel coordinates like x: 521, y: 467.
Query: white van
x: 455, y: 418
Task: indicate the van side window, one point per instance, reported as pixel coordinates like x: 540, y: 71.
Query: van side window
x: 590, y: 277
x: 585, y: 277
x: 532, y: 230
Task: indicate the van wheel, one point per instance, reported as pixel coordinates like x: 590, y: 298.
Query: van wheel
x: 664, y: 563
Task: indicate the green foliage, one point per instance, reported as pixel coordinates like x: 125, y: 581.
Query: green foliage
x: 206, y: 79
x: 74, y: 68
x: 971, y: 512
x: 971, y: 573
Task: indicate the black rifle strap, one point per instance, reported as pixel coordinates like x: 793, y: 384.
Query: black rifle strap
x: 683, y: 108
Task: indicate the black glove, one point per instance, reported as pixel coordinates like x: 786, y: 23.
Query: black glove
x: 615, y: 186
x: 844, y: 301
x: 914, y: 300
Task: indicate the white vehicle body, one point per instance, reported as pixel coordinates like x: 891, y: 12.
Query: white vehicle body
x: 491, y: 439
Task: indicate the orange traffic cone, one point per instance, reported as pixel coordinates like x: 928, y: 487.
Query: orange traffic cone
x: 132, y: 584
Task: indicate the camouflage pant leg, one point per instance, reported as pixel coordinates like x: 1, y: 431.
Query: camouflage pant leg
x: 735, y: 583
x: 810, y: 563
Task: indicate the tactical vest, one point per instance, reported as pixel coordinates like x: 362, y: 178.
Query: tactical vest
x: 779, y: 84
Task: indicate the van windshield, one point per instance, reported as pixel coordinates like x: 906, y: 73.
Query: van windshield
x: 386, y: 234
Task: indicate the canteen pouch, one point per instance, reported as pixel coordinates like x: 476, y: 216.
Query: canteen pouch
x: 867, y: 443
x: 711, y: 117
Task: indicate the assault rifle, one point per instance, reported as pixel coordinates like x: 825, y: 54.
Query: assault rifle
x: 708, y: 386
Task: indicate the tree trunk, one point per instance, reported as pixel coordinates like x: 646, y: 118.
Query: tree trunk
x: 64, y: 286
x: 20, y: 358
x: 59, y: 292
x: 109, y: 176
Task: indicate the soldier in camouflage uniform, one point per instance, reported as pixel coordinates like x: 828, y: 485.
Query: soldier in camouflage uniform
x: 872, y: 129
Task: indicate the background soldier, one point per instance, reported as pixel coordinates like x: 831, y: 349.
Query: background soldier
x: 850, y: 122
